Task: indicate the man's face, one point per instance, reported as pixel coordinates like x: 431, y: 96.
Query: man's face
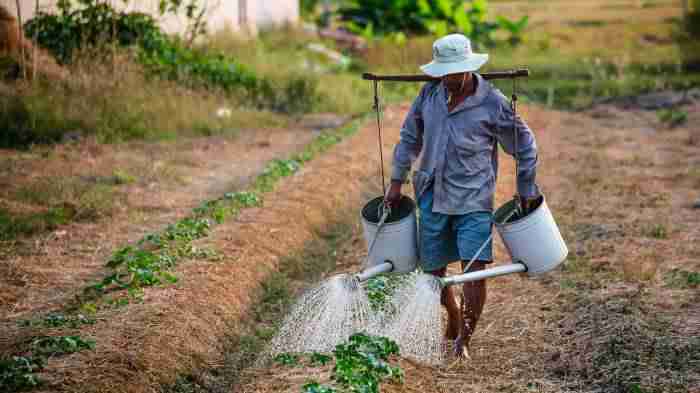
x: 453, y: 82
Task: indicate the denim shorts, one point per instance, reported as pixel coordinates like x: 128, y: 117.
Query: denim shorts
x: 447, y: 238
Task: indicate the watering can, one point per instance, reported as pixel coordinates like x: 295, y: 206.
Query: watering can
x: 392, y: 238
x: 533, y: 241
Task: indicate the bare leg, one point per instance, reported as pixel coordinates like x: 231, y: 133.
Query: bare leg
x: 454, y: 315
x: 473, y: 299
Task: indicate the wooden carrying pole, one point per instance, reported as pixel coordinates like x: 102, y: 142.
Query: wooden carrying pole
x: 511, y: 74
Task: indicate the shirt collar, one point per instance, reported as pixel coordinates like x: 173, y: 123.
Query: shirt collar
x: 482, y: 90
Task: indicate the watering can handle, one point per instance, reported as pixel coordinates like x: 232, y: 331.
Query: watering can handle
x: 382, y: 220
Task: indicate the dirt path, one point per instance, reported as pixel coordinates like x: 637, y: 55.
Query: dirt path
x: 169, y: 179
x: 621, y: 186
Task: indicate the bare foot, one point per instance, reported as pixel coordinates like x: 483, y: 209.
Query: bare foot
x: 460, y: 348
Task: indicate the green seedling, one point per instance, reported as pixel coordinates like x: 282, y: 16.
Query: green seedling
x: 682, y: 279
x: 315, y: 387
x: 54, y: 346
x: 673, y: 117
x: 57, y: 320
x: 320, y: 359
x: 287, y: 359
x: 123, y: 177
x: 657, y: 231
x: 18, y: 373
x: 274, y: 171
x: 380, y: 289
x: 244, y: 199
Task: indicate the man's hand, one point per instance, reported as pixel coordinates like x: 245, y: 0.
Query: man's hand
x: 393, y: 196
x: 528, y: 204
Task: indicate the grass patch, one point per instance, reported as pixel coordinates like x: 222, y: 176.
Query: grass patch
x: 656, y: 231
x: 13, y: 226
x: 589, y: 23
x: 672, y: 117
x: 682, y: 279
x: 79, y: 199
x: 58, y: 201
x: 113, y: 102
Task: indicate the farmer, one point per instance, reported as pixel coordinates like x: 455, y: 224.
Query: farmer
x: 454, y: 125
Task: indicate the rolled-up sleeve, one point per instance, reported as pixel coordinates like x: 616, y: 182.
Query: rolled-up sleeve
x: 411, y: 142
x: 527, y: 148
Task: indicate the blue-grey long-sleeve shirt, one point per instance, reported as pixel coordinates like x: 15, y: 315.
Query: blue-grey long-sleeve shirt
x: 458, y: 150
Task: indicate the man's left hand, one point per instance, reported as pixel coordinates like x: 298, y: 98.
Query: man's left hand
x: 527, y: 204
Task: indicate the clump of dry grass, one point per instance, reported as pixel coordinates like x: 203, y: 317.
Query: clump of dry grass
x: 616, y: 345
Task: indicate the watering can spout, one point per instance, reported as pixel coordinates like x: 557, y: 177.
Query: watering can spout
x: 483, y: 274
x: 374, y: 271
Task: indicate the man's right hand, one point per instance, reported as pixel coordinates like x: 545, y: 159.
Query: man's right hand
x: 393, y: 196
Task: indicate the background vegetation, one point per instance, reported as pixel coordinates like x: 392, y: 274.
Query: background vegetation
x: 118, y: 61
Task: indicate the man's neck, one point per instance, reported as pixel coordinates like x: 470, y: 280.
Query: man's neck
x: 469, y: 89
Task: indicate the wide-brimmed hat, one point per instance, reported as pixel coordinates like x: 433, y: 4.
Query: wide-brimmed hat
x: 453, y: 54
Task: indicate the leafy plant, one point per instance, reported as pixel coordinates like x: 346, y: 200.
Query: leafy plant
x: 691, y: 22
x: 308, y: 8
x: 274, y: 171
x: 287, y: 359
x: 51, y: 346
x: 320, y: 359
x: 87, y: 23
x: 673, y: 117
x: 315, y: 387
x: 379, y: 289
x: 362, y: 363
x: 371, y: 18
x: 678, y: 278
x: 57, y: 320
x: 657, y: 231
x: 19, y: 373
x: 243, y: 199
x: 515, y: 28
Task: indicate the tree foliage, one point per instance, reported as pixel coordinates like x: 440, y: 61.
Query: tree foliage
x: 438, y: 17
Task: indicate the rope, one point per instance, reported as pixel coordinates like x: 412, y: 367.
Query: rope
x: 514, y: 107
x: 377, y: 109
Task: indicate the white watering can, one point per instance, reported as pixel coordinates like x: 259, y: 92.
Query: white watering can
x: 534, y: 241
x: 392, y: 238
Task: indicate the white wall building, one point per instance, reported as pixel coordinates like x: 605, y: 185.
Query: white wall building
x: 242, y: 15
